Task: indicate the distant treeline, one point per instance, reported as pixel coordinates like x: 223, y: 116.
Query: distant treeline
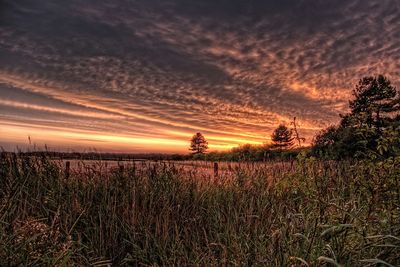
x: 254, y: 153
x: 241, y: 153
x: 104, y: 156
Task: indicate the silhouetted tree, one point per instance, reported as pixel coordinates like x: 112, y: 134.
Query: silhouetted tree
x: 282, y: 137
x: 374, y: 111
x: 376, y: 100
x: 198, y: 144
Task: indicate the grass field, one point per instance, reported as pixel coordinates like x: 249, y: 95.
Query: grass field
x: 311, y: 213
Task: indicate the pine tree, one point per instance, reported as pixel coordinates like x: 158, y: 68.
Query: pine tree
x: 198, y: 144
x: 375, y: 104
x: 374, y: 113
x: 282, y: 137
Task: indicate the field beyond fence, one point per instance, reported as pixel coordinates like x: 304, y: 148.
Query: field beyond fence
x: 302, y: 213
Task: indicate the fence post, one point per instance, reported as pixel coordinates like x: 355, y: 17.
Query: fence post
x: 215, y: 169
x: 67, y: 169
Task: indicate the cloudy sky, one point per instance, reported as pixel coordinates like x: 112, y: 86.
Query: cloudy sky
x: 145, y: 75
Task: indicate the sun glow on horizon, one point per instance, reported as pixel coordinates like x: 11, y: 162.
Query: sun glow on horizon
x: 64, y: 139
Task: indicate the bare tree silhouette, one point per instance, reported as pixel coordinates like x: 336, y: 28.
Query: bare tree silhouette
x: 296, y: 133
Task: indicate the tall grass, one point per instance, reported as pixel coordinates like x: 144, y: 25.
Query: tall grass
x: 319, y: 214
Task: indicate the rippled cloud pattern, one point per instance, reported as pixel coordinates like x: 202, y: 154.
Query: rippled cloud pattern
x: 143, y: 76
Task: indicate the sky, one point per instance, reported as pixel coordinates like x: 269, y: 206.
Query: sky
x: 145, y: 75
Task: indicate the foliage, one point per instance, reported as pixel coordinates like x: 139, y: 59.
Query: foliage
x: 198, y: 144
x: 375, y: 100
x: 282, y: 137
x: 249, y: 152
x: 372, y: 119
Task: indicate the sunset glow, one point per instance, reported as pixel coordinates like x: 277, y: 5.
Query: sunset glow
x: 144, y: 76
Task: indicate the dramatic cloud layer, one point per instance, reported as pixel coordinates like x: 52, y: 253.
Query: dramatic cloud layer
x: 145, y: 75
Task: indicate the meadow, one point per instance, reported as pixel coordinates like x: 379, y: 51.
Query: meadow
x: 307, y: 212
